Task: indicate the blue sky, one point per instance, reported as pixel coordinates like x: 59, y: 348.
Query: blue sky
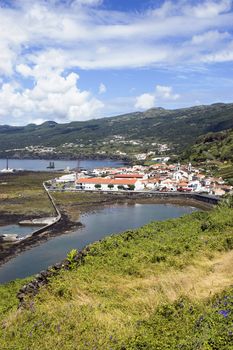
x: 82, y: 59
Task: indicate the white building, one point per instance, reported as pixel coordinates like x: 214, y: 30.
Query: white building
x: 66, y: 178
x: 105, y: 184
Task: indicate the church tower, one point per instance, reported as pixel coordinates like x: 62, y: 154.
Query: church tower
x: 190, y: 167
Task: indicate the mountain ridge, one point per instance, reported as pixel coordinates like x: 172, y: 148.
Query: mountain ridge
x: 179, y: 128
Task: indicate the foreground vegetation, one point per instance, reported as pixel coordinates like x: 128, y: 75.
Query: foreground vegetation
x: 167, y: 285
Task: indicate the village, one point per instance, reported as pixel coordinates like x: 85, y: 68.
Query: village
x: 161, y: 177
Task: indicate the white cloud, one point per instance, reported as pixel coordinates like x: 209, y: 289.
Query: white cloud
x: 166, y: 93
x: 210, y: 37
x: 209, y: 9
x: 24, y: 70
x: 87, y: 2
x: 220, y: 56
x: 102, y: 88
x: 41, y: 41
x: 145, y: 101
x: 91, y: 37
x: 53, y: 97
x: 161, y: 93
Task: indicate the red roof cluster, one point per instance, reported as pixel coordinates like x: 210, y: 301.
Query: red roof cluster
x: 105, y: 181
x: 128, y: 176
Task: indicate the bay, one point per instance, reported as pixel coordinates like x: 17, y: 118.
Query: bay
x: 42, y: 164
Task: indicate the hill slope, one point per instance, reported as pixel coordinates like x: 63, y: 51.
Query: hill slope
x: 213, y: 146
x: 216, y: 151
x: 164, y: 286
x: 178, y: 128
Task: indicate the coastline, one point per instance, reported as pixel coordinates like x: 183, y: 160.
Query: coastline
x: 67, y: 157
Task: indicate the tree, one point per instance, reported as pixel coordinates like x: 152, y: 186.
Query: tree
x: 120, y: 187
x: 98, y: 186
x: 110, y: 186
x: 131, y: 187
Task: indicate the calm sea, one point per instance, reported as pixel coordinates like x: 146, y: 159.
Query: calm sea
x: 42, y: 164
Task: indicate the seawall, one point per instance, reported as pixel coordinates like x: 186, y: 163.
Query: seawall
x: 210, y: 199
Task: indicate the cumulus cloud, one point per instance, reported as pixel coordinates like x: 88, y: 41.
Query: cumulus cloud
x: 94, y: 37
x: 145, y: 101
x: 102, y: 89
x: 41, y: 41
x: 161, y: 93
x: 53, y: 97
x: 165, y: 92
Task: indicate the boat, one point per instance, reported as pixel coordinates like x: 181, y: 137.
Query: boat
x: 5, y: 237
x: 7, y: 170
x: 51, y: 165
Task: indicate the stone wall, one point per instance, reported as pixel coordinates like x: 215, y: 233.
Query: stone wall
x: 31, y: 289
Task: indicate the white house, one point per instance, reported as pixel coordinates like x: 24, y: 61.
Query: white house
x: 107, y: 184
x: 66, y: 178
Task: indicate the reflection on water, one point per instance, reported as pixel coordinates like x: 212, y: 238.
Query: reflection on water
x: 108, y: 220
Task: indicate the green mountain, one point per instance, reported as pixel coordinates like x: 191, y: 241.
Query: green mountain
x: 177, y: 128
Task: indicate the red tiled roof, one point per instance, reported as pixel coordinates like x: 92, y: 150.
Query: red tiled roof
x: 105, y: 181
x: 129, y: 176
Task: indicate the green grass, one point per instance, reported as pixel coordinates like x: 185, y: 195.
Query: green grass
x: 8, y: 298
x: 167, y: 285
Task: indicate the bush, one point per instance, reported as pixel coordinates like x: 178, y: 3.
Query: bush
x: 71, y: 258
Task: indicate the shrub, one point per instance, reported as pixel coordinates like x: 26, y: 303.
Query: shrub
x: 71, y: 258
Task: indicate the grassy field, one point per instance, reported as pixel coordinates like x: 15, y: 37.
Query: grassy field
x: 167, y: 285
x: 23, y: 194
